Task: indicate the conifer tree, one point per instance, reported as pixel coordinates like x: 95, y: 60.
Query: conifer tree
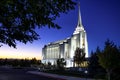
x: 109, y: 58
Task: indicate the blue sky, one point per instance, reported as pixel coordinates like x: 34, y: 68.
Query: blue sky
x: 100, y: 18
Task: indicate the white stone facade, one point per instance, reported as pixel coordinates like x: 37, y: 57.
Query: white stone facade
x: 66, y: 48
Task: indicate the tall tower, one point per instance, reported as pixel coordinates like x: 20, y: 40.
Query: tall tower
x: 81, y: 34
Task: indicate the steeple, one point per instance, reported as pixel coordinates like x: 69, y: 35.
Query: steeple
x: 79, y: 25
x: 79, y: 16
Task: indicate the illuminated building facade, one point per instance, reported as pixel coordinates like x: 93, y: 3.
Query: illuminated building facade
x: 66, y: 48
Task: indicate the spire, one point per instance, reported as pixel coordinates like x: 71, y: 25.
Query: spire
x: 79, y: 25
x: 79, y: 16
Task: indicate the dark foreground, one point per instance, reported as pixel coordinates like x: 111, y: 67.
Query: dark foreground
x: 20, y: 74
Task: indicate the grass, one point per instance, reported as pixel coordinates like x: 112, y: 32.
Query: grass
x: 66, y: 73
x: 74, y: 74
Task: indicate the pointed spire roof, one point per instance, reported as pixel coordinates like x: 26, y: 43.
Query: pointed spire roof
x: 79, y: 25
x: 79, y: 16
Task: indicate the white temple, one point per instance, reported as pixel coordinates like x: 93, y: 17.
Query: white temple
x: 66, y: 48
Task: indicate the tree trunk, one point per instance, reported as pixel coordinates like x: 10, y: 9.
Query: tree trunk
x: 108, y: 74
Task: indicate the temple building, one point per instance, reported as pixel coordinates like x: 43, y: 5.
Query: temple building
x: 66, y: 48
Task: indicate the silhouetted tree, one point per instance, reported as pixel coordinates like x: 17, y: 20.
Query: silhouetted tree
x: 5, y: 61
x: 20, y: 62
x: 61, y: 63
x: 79, y: 56
x: 49, y: 63
x: 15, y: 62
x: 94, y: 67
x: 109, y: 59
x: 34, y: 61
x: 20, y: 18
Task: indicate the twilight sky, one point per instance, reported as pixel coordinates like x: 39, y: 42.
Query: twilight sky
x: 100, y: 18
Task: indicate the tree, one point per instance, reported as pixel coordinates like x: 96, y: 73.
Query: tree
x: 34, y: 61
x: 61, y: 63
x: 109, y: 58
x: 79, y: 56
x: 94, y: 67
x: 20, y: 18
